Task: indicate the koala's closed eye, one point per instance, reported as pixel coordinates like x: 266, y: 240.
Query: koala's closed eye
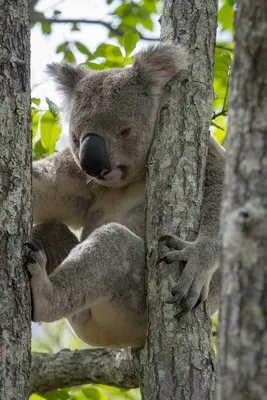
x: 125, y: 132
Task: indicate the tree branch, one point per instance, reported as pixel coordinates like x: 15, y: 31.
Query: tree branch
x: 219, y: 114
x: 220, y: 46
x: 70, y: 368
x: 37, y: 17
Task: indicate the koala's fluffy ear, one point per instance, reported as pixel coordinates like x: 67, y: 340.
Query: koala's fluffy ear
x: 66, y: 77
x: 158, y: 64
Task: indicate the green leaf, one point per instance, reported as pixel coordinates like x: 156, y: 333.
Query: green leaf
x: 62, y: 48
x: 95, y: 66
x: 57, y: 12
x: 38, y: 151
x: 91, y: 393
x: 150, y: 6
x: 147, y: 23
x: 36, y: 101
x: 112, y: 389
x: 123, y: 10
x: 83, y: 49
x: 129, y: 42
x: 53, y: 108
x: 226, y: 17
x: 36, y: 397
x: 46, y: 28
x: 75, y: 27
x: 112, y: 53
x: 217, y: 126
x: 108, y: 51
x: 220, y: 135
x: 129, y: 61
x: 69, y: 56
x: 35, y: 122
x: 222, y: 69
x: 56, y: 395
x: 50, y: 130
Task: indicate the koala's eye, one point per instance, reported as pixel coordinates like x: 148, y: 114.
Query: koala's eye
x: 125, y: 132
x: 76, y: 142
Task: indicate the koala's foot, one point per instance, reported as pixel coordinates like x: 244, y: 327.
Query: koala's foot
x: 201, y: 259
x: 41, y: 288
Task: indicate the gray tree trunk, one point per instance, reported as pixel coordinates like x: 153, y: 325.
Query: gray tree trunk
x: 177, y: 362
x: 15, y: 187
x: 243, y: 318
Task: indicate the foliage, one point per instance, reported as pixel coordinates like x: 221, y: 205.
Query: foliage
x: 46, y: 128
x: 128, y: 21
x: 89, y: 392
x: 134, y: 16
x: 222, y: 69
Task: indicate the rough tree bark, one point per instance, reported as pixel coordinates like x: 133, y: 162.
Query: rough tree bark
x: 15, y: 184
x: 177, y: 362
x: 243, y: 318
x: 70, y: 368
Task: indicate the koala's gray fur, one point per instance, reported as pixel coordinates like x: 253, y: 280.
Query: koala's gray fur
x: 98, y: 284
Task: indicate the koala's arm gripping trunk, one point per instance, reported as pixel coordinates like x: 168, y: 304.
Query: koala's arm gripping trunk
x: 212, y: 197
x: 56, y: 240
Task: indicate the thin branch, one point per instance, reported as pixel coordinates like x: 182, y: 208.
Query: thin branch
x: 219, y: 46
x: 226, y: 94
x: 37, y: 18
x: 219, y: 114
x: 70, y: 368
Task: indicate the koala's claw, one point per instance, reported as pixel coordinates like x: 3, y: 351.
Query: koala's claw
x: 193, y: 285
x: 175, y: 255
x: 189, y: 302
x: 174, y: 242
x: 30, y: 246
x: 190, y: 295
x: 181, y: 252
x: 34, y: 259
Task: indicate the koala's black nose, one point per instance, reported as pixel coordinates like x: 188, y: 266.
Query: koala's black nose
x: 94, y: 157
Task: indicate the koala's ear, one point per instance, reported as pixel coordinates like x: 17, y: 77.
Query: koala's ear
x: 158, y: 64
x: 66, y: 77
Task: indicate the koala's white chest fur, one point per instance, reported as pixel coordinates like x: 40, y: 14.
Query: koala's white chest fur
x: 122, y: 205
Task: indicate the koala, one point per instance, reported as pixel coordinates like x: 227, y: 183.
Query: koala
x: 98, y: 184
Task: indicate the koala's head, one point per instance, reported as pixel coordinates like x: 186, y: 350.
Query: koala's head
x: 113, y: 112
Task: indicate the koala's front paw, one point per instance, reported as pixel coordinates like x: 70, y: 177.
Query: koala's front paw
x: 201, y: 259
x: 34, y: 259
x: 35, y: 262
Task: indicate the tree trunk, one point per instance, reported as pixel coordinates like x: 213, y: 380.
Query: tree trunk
x: 15, y: 187
x: 243, y: 318
x: 177, y: 362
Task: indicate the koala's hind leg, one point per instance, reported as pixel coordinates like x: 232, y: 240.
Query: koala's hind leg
x: 56, y: 240
x: 107, y: 267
